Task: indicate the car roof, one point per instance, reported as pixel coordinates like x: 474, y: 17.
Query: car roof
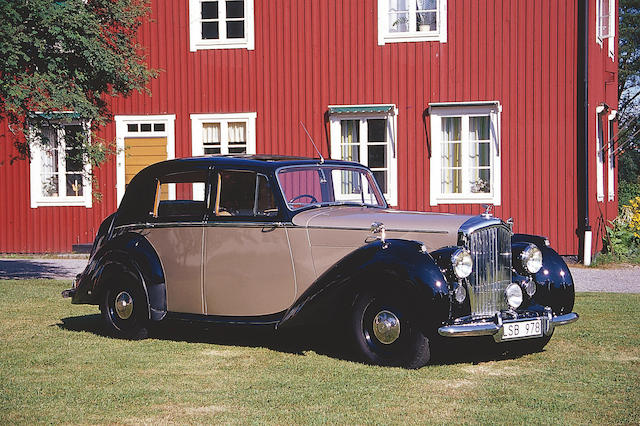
x: 260, y: 161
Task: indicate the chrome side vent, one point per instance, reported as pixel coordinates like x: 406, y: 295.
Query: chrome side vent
x: 490, y: 248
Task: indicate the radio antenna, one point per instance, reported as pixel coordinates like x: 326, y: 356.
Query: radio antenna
x: 312, y: 142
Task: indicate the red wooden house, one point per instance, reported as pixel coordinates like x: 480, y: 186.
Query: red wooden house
x: 452, y: 103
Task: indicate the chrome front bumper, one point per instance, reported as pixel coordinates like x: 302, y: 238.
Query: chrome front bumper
x: 495, y: 326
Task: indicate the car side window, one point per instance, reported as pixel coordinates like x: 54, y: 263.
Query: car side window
x: 180, y: 197
x: 244, y: 194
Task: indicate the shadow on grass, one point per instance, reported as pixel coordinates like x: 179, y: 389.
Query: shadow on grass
x: 446, y: 351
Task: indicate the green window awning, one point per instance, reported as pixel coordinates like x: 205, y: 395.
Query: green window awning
x: 361, y: 109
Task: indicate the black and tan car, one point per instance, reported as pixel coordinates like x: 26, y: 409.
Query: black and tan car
x: 287, y: 242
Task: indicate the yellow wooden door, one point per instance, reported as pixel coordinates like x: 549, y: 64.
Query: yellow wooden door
x: 142, y: 152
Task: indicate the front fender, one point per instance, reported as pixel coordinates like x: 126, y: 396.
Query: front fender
x: 129, y: 250
x: 400, y: 265
x: 554, y: 282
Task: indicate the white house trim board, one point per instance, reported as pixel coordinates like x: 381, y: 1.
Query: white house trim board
x: 121, y: 122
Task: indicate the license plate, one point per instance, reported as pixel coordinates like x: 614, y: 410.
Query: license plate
x: 517, y: 330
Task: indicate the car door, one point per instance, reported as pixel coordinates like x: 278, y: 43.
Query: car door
x: 248, y: 269
x: 177, y: 233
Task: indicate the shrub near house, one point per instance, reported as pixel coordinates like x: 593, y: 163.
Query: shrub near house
x: 623, y: 238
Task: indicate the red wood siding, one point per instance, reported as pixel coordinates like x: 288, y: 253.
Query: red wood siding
x: 310, y: 54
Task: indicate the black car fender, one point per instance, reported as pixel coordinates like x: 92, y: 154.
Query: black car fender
x: 401, y: 266
x: 132, y: 252
x: 554, y: 283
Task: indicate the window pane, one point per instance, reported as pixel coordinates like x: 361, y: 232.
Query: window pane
x: 212, y: 151
x: 398, y: 22
x: 210, y: 30
x: 237, y: 193
x: 211, y: 133
x: 266, y: 201
x: 481, y: 181
x: 376, y: 129
x: 49, y: 185
x: 235, y: 29
x: 209, y: 10
x: 427, y: 4
x: 132, y: 127
x: 74, y: 185
x: 451, y: 181
x: 145, y: 127
x: 377, y: 156
x: 189, y: 202
x: 479, y: 128
x: 158, y: 127
x: 427, y: 21
x: 235, y: 9
x: 237, y: 133
x: 480, y: 154
x: 452, y: 128
x: 350, y: 152
x: 381, y: 178
x: 349, y: 139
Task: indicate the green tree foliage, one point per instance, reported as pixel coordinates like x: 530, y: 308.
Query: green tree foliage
x: 629, y: 94
x: 68, y: 55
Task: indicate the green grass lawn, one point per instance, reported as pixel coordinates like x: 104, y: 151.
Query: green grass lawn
x: 56, y: 367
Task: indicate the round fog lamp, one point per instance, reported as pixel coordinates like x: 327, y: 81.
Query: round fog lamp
x: 460, y: 293
x: 530, y: 287
x: 462, y: 263
x: 513, y: 294
x: 532, y: 258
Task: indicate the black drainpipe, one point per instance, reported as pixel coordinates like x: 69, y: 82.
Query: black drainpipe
x: 583, y: 122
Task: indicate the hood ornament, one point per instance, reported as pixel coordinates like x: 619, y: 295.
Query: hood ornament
x: 378, y: 228
x: 487, y: 211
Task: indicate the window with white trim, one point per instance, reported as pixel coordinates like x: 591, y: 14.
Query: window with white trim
x: 412, y: 20
x: 214, y: 134
x: 368, y: 138
x: 60, y: 173
x: 599, y: 157
x: 465, y: 153
x: 221, y: 24
x: 611, y: 159
x: 606, y: 24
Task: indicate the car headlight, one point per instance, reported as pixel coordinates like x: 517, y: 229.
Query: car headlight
x: 531, y: 258
x: 513, y: 294
x: 462, y: 263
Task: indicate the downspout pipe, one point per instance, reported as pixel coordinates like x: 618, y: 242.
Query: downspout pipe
x: 583, y: 124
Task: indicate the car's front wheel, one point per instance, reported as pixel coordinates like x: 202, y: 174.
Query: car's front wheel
x: 124, y: 308
x: 385, y: 332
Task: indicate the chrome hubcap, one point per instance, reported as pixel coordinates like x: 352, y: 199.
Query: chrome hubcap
x: 124, y: 305
x: 386, y: 327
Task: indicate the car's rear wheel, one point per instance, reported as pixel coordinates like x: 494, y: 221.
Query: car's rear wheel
x: 124, y: 307
x: 385, y: 332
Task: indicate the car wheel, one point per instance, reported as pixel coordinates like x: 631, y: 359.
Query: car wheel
x: 124, y: 309
x: 385, y: 333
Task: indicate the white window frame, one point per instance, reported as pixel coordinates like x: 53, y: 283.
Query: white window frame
x: 196, y: 42
x: 39, y: 200
x: 198, y: 120
x: 611, y: 158
x: 392, y: 130
x: 413, y: 35
x: 465, y: 110
x: 599, y: 154
x: 122, y: 132
x: 610, y: 37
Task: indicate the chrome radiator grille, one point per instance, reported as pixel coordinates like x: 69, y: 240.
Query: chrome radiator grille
x: 491, y: 251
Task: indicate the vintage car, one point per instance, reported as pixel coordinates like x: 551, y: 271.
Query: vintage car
x: 288, y: 242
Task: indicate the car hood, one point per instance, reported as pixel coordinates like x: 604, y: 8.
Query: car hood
x: 398, y: 224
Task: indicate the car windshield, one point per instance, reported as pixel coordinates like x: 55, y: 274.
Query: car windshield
x: 326, y: 185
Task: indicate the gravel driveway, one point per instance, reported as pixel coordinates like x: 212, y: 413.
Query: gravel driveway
x: 618, y: 280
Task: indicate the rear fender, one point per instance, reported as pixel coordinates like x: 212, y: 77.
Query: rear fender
x: 130, y: 251
x: 396, y: 265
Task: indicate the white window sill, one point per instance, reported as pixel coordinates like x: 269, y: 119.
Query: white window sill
x: 224, y: 44
x: 62, y: 202
x: 490, y: 199
x: 412, y: 37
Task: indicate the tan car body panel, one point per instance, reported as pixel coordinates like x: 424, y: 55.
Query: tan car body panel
x: 248, y: 270
x: 180, y: 252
